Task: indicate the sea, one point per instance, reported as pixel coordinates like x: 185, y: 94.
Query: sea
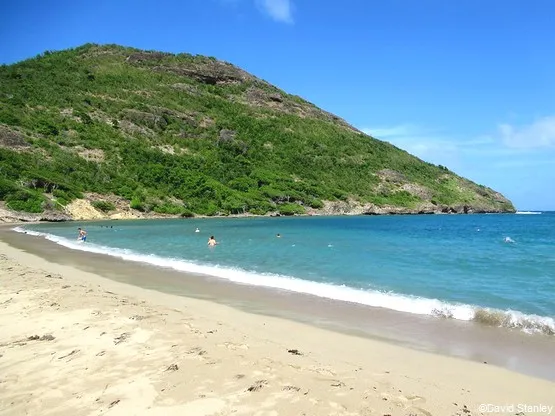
x: 494, y: 269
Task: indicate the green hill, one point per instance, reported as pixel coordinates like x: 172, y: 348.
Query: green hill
x: 183, y: 135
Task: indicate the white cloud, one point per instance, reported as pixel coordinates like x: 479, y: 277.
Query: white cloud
x: 540, y: 133
x: 279, y: 10
x: 395, y: 131
x: 429, y: 145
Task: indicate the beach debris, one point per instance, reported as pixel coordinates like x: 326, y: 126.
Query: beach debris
x: 46, y: 337
x: 65, y: 286
x: 295, y: 352
x: 291, y: 388
x: 54, y: 276
x: 138, y: 317
x: 239, y: 376
x: 54, y: 304
x: 172, y: 367
x: 101, y: 353
x: 338, y: 384
x: 113, y: 403
x: 68, y: 355
x: 123, y: 337
x: 258, y: 385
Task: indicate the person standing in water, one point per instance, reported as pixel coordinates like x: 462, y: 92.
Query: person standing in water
x: 82, y: 235
x: 212, y: 241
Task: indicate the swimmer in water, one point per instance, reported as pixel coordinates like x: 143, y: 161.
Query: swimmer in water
x: 212, y: 241
x: 278, y: 235
x: 197, y: 231
x: 509, y: 240
x: 82, y: 236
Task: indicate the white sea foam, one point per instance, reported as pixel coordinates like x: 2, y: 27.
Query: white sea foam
x: 388, y: 300
x: 528, y: 212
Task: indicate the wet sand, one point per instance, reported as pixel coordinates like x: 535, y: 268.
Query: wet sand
x: 107, y: 346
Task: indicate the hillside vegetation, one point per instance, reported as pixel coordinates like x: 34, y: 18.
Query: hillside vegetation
x: 184, y: 135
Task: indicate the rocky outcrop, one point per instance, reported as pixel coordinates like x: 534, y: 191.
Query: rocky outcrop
x: 205, y: 70
x: 9, y: 216
x: 146, y: 57
x: 82, y: 210
x: 12, y: 139
x: 356, y: 208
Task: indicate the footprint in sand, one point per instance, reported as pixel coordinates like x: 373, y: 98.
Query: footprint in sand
x: 320, y: 370
x: 233, y: 346
x: 405, y: 401
x: 197, y: 352
x: 258, y: 385
x: 416, y: 398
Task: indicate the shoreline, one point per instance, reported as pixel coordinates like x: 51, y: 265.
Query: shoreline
x: 512, y: 349
x: 140, y: 351
x: 508, y: 318
x: 75, y: 342
x: 8, y: 216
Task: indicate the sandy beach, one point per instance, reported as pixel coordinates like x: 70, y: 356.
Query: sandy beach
x: 76, y: 343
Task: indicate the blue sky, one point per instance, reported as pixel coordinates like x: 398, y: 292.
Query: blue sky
x: 469, y: 84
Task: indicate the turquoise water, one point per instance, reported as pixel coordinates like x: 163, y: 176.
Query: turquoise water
x: 451, y: 266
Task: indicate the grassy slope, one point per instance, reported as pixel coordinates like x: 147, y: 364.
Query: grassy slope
x: 184, y: 134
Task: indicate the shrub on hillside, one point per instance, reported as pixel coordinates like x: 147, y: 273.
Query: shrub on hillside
x: 103, y: 206
x: 169, y: 208
x: 6, y: 188
x: 291, y: 209
x: 27, y: 201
